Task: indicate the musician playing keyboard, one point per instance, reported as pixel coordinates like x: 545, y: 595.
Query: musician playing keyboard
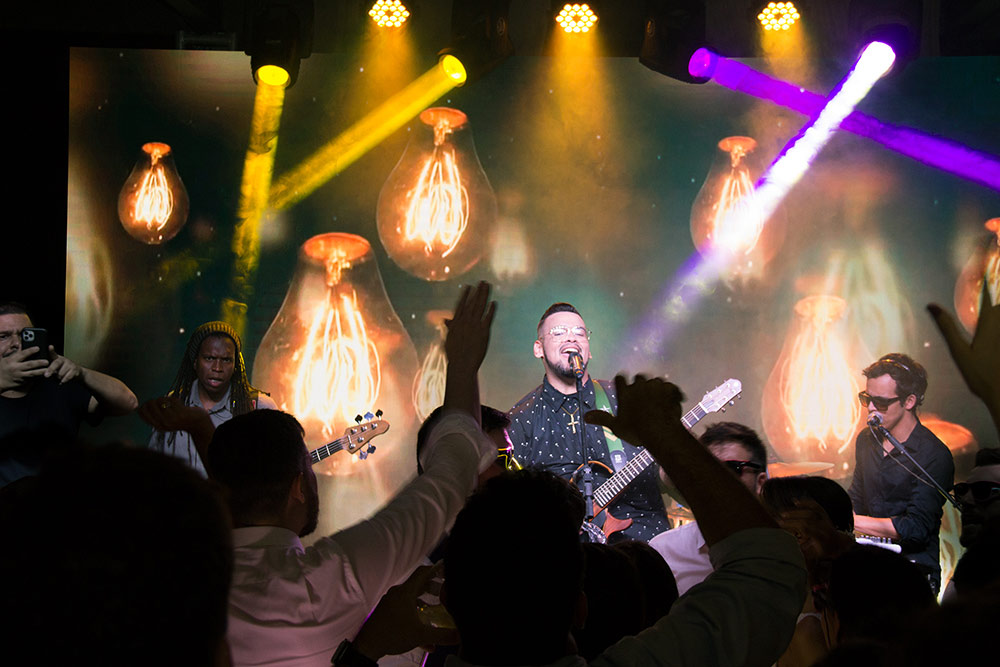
x: 892, y: 497
x: 546, y: 425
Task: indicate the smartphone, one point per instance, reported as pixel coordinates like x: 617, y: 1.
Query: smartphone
x: 35, y: 337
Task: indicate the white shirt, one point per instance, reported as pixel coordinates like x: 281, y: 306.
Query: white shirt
x: 292, y: 606
x: 686, y: 553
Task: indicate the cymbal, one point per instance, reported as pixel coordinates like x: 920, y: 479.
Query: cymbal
x: 783, y: 469
x: 681, y: 513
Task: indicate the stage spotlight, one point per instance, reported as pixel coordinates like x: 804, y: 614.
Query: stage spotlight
x: 279, y: 34
x: 576, y: 18
x: 897, y: 23
x: 778, y: 16
x: 674, y: 29
x: 389, y: 13
x: 480, y: 37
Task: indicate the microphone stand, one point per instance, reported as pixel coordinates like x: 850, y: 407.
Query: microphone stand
x: 872, y: 426
x: 588, y: 473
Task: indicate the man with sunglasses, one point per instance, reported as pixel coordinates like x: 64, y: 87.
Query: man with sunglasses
x: 739, y: 449
x: 892, y: 497
x: 546, y: 425
x: 979, y: 496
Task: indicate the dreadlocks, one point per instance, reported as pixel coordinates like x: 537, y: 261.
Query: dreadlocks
x: 242, y: 396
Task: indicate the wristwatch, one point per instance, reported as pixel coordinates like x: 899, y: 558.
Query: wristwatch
x: 348, y: 656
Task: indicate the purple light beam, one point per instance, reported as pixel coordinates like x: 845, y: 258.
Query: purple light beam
x: 943, y: 154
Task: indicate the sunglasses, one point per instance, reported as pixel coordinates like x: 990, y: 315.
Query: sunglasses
x: 982, y: 492
x: 739, y: 466
x: 881, y: 403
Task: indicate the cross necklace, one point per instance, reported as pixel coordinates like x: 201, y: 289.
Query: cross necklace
x: 573, y: 421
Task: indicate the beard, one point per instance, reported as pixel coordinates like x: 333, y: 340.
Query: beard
x: 562, y: 368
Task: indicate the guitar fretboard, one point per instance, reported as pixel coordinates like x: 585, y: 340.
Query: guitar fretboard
x: 607, y: 492
x: 320, y: 453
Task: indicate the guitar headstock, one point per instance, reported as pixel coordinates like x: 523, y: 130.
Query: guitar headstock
x: 368, y: 427
x: 721, y: 396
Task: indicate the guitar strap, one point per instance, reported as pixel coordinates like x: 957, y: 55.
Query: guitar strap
x: 615, y: 446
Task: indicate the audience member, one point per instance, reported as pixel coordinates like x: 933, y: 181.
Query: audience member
x: 876, y: 593
x: 43, y: 400
x: 211, y: 387
x: 741, y: 450
x: 817, y: 511
x: 115, y: 557
x: 743, y: 614
x: 292, y: 605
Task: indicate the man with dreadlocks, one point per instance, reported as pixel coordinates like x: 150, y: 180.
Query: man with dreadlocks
x: 211, y: 387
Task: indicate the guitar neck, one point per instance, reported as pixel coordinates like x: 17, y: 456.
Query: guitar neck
x: 320, y: 453
x: 607, y: 492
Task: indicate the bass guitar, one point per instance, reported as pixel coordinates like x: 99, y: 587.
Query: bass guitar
x: 604, y: 523
x: 356, y: 439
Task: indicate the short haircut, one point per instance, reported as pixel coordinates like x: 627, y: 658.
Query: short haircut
x: 988, y: 456
x: 558, y: 307
x: 531, y: 572
x: 257, y: 457
x: 780, y: 493
x: 140, y: 575
x: 910, y: 377
x: 491, y: 419
x: 723, y: 432
x: 13, y: 308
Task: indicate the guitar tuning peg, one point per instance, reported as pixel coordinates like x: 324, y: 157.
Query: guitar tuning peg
x: 357, y: 418
x: 732, y: 402
x: 371, y: 449
x: 362, y: 455
x: 378, y: 413
x: 722, y: 409
x: 369, y: 416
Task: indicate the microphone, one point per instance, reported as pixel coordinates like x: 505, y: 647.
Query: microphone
x: 576, y: 363
x: 875, y: 419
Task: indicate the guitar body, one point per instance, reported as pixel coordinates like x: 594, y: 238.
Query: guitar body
x: 605, y: 493
x: 603, y: 522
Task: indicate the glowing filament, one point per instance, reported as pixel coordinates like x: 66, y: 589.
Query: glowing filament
x: 154, y: 202
x: 778, y: 16
x: 818, y: 392
x: 437, y: 211
x: 737, y: 221
x: 428, y: 384
x: 389, y: 13
x: 576, y: 18
x: 337, y: 368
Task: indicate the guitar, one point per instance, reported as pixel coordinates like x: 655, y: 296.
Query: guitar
x: 605, y: 494
x: 355, y: 439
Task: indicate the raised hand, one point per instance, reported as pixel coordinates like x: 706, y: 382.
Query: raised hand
x: 978, y: 361
x: 469, y: 328
x: 648, y: 410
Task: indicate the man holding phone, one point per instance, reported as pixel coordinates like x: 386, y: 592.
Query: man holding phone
x: 44, y: 396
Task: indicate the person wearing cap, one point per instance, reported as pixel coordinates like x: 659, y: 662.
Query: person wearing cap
x: 211, y: 387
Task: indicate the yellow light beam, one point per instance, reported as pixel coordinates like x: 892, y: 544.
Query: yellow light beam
x: 367, y: 133
x: 258, y: 168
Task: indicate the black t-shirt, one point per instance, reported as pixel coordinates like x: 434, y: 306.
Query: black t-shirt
x: 46, y: 417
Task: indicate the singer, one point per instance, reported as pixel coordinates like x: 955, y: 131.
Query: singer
x: 546, y: 425
x: 891, y: 495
